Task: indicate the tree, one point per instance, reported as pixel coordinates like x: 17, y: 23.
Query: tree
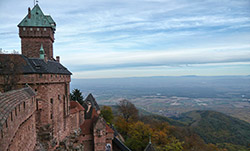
x: 173, y: 145
x: 122, y: 126
x: 76, y: 95
x: 138, y: 136
x: 10, y: 70
x: 107, y: 114
x: 128, y: 110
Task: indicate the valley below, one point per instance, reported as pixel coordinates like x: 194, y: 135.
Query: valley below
x: 172, y: 96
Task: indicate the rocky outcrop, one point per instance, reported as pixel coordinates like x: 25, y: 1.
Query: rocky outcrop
x: 71, y: 142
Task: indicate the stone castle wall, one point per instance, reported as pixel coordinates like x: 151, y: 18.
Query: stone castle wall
x: 25, y: 137
x: 19, y: 126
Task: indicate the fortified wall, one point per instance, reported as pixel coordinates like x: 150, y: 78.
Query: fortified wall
x: 17, y: 118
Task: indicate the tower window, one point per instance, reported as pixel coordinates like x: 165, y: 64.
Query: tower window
x: 37, y: 104
x: 38, y: 29
x: 31, y: 29
x: 44, y: 29
x: 24, y: 28
x: 24, y: 105
x: 51, y: 101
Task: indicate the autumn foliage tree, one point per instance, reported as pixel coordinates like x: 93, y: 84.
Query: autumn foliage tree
x: 138, y: 136
x: 164, y: 137
x: 10, y: 69
x: 127, y: 110
x: 136, y: 132
x: 107, y: 114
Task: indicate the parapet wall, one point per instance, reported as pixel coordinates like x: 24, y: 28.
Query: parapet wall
x: 25, y: 137
x: 16, y: 110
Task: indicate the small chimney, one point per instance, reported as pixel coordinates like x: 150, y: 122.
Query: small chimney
x: 58, y: 59
x: 29, y: 14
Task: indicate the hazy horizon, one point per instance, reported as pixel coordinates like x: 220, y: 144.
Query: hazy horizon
x: 82, y: 78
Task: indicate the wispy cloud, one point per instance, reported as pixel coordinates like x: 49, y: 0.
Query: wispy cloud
x: 113, y: 35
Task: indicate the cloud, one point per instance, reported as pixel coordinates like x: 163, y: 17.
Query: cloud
x: 148, y: 71
x: 110, y: 60
x: 115, y: 35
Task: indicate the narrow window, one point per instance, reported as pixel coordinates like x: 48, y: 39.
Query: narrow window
x: 51, y: 116
x: 40, y: 75
x: 36, y: 104
x: 59, y: 97
x: 24, y: 28
x: 64, y: 106
x: 67, y: 106
x: 24, y: 105
x: 44, y: 29
x: 6, y: 122
x: 1, y: 133
x: 19, y: 107
x: 51, y: 101
x: 15, y: 111
x: 11, y: 116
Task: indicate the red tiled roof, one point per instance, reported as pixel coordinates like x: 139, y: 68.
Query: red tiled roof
x: 94, y: 113
x: 11, y: 99
x: 75, y: 107
x: 87, y: 127
x: 108, y: 129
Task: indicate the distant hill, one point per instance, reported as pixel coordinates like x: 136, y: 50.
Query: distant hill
x: 215, y: 127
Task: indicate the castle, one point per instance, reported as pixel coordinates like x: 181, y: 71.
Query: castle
x: 36, y: 112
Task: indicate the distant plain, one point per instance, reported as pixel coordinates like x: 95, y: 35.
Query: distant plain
x: 171, y: 96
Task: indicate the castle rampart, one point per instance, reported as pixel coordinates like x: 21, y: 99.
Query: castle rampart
x: 17, y: 108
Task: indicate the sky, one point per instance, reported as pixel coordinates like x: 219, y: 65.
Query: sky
x: 138, y: 38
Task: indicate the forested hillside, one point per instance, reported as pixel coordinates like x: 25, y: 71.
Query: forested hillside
x: 196, y: 131
x: 215, y: 127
